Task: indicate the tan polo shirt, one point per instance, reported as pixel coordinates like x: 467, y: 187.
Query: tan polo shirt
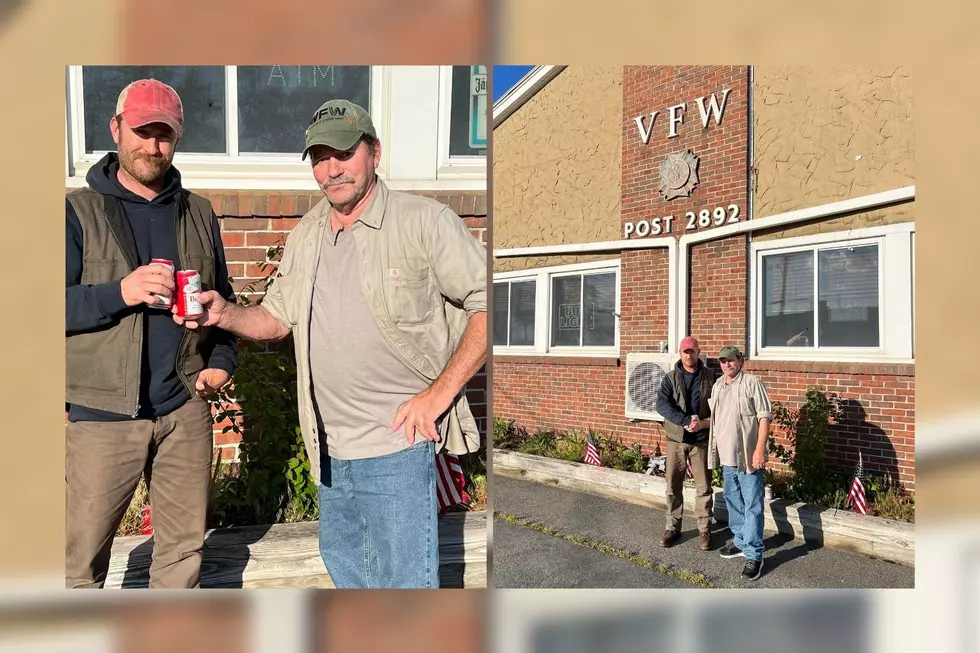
x: 358, y: 381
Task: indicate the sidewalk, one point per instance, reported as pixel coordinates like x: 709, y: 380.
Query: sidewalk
x: 549, y: 537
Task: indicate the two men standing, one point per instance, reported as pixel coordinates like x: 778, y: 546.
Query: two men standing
x: 384, y: 294
x: 717, y: 423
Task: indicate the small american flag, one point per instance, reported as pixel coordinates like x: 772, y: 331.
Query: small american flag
x: 450, y: 482
x: 591, y: 453
x: 856, y: 496
x: 690, y: 470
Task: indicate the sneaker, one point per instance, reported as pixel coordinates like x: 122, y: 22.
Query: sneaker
x: 731, y: 551
x: 752, y: 569
x: 704, y: 541
x: 669, y: 538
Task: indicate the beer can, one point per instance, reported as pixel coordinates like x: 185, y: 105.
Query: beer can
x: 163, y: 301
x: 768, y: 493
x: 188, y: 288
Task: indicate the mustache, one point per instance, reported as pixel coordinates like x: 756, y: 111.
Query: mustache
x: 339, y: 180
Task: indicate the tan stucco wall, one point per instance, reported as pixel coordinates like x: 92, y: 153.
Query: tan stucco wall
x: 812, y: 122
x: 557, y: 167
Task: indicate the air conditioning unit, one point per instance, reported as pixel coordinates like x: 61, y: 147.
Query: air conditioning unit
x: 644, y: 374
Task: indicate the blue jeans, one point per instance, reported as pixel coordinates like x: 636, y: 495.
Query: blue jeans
x: 379, y: 520
x: 745, y: 496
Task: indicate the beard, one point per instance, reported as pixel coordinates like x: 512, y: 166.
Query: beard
x: 144, y: 168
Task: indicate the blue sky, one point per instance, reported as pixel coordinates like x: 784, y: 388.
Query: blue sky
x: 505, y: 77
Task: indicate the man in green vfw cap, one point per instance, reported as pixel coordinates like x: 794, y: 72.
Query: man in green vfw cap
x: 740, y: 416
x: 385, y: 294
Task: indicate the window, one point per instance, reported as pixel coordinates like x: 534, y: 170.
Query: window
x: 513, y: 313
x: 582, y: 310
x: 844, y: 281
x: 564, y: 310
x: 266, y: 107
x: 824, y: 298
x: 468, y: 121
x: 276, y: 102
x: 201, y: 90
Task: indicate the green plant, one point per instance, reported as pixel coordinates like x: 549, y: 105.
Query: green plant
x: 508, y: 435
x: 273, y: 471
x: 891, y: 501
x: 631, y: 459
x: 717, y: 477
x: 806, y: 429
x: 571, y: 447
x: 539, y: 444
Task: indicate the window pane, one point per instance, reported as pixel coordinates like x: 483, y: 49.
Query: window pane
x: 599, y: 323
x: 468, y: 119
x: 522, y: 313
x: 787, y: 291
x: 848, y: 280
x: 566, y: 311
x: 201, y: 90
x: 500, y: 301
x: 275, y: 103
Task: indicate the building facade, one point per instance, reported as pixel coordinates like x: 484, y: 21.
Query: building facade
x: 771, y: 208
x: 244, y: 132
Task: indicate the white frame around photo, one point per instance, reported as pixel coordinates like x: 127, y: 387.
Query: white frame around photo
x: 542, y: 313
x: 894, y: 295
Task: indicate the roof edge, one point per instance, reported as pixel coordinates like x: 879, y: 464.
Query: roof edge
x: 536, y: 79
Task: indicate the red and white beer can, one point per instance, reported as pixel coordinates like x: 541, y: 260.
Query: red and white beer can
x: 188, y: 288
x: 163, y: 301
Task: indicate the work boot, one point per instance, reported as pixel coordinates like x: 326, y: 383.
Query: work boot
x: 704, y: 540
x: 669, y: 538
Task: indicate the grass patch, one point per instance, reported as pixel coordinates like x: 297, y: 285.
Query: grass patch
x: 694, y: 578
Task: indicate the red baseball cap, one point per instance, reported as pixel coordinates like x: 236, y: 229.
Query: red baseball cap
x: 150, y: 100
x: 689, y: 343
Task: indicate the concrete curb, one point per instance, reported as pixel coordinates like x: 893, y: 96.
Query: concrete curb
x: 838, y: 529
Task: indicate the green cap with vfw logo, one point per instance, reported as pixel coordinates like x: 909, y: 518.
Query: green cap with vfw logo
x: 338, y: 124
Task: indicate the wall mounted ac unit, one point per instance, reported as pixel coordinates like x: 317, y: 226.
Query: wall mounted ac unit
x: 644, y: 373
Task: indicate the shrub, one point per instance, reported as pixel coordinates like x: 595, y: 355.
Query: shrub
x: 807, y: 429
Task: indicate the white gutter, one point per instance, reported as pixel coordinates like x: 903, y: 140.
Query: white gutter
x: 524, y: 90
x: 863, y: 203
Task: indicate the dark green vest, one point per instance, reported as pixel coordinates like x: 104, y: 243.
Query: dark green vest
x: 674, y: 431
x: 103, y: 365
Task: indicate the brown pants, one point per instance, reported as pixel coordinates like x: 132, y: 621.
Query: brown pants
x: 676, y: 471
x: 104, y: 461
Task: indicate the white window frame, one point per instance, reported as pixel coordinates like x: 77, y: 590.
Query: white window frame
x: 272, y: 171
x: 453, y: 167
x: 542, y: 313
x: 894, y: 295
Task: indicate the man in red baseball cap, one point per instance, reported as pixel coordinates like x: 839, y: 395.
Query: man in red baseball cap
x: 683, y: 403
x: 135, y: 381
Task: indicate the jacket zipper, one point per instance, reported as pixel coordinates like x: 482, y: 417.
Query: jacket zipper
x: 179, y: 224
x: 139, y: 324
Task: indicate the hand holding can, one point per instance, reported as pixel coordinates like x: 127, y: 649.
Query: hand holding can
x: 163, y: 301
x: 188, y: 288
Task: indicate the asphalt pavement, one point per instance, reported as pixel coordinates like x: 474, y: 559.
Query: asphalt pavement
x: 546, y: 537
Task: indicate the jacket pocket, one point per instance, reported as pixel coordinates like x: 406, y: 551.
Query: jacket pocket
x: 410, y: 296
x: 98, y: 361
